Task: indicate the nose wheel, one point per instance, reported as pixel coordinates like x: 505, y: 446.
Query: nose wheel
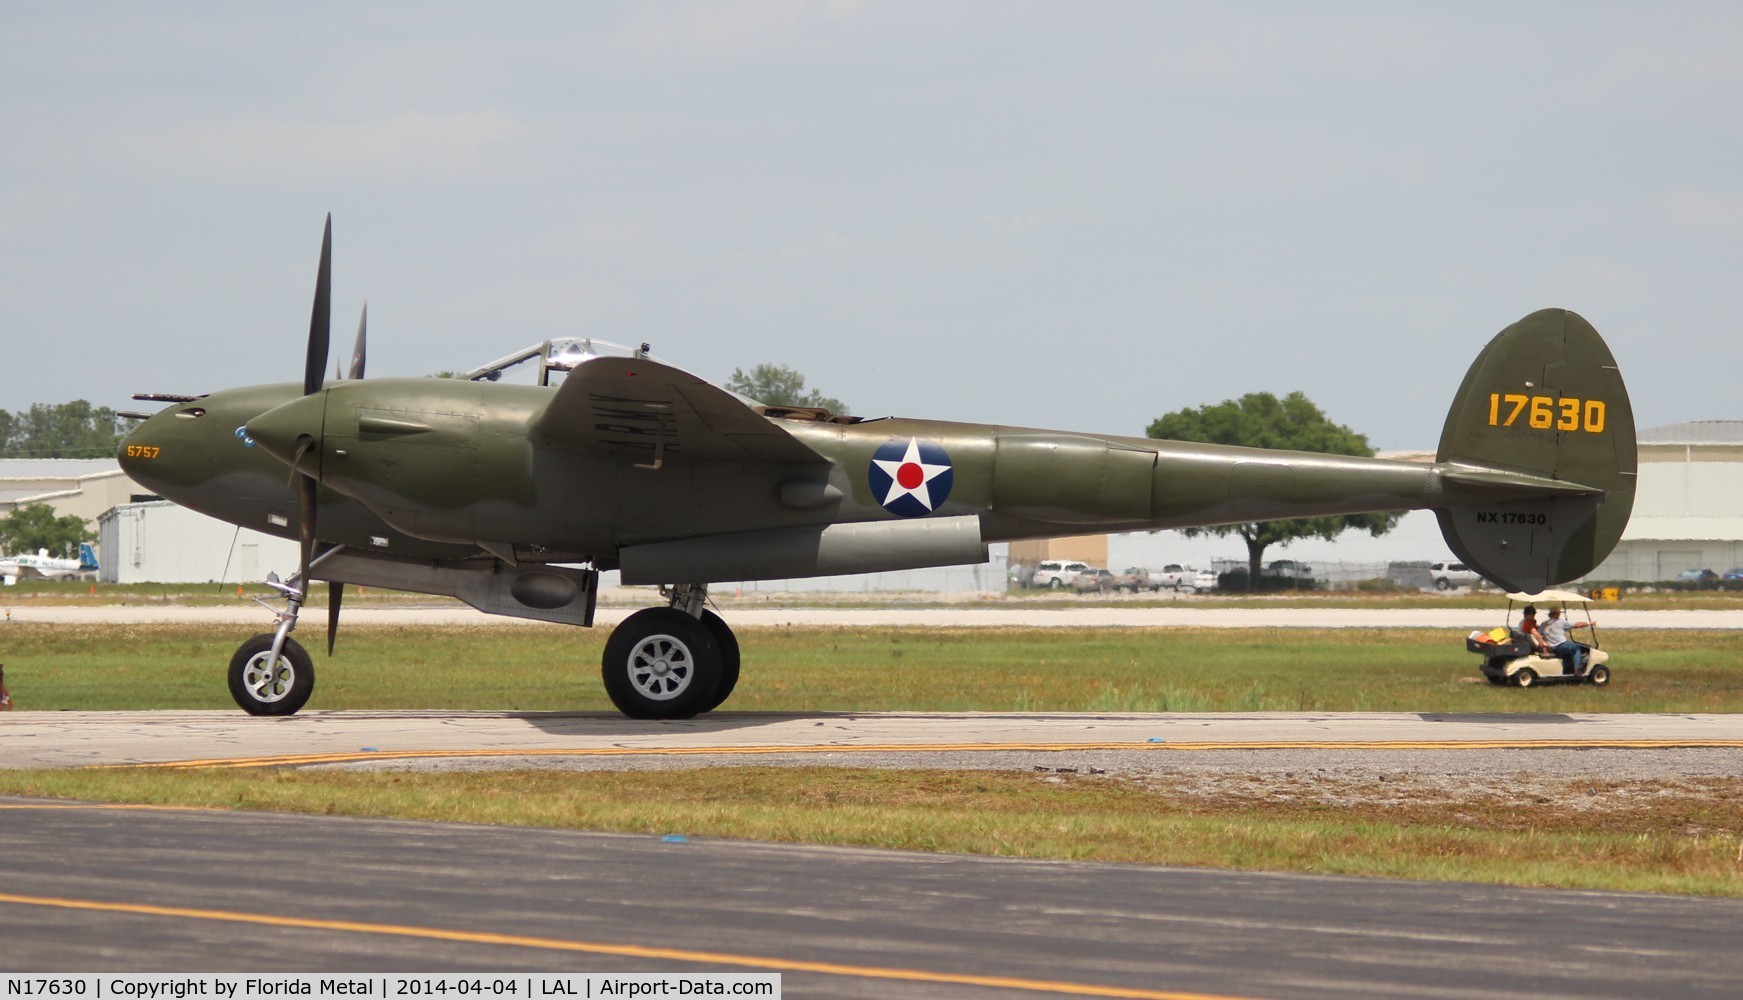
x: 263, y: 686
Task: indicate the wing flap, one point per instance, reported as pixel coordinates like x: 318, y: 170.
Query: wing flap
x: 653, y: 412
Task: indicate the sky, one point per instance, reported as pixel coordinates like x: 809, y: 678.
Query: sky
x: 1077, y: 216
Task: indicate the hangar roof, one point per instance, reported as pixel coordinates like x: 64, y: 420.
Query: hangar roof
x: 1695, y: 432
x: 55, y: 468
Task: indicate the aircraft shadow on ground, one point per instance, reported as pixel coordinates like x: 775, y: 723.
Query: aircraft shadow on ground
x: 1508, y: 718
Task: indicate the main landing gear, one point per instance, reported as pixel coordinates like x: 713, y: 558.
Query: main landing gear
x: 672, y: 662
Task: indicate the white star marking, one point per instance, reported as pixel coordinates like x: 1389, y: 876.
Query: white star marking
x: 909, y: 475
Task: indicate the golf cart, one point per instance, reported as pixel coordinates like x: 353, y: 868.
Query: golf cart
x: 1509, y: 658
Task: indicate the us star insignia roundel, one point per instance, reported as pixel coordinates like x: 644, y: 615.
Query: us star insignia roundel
x: 910, y: 478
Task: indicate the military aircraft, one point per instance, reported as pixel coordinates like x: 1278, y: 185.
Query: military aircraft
x: 514, y: 498
x: 43, y: 566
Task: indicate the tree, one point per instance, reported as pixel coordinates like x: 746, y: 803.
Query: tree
x: 34, y: 527
x: 63, y: 430
x: 1261, y: 420
x: 778, y: 385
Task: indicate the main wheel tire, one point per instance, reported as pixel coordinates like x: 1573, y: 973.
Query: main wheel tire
x: 1526, y: 677
x: 660, y: 663
x: 727, y: 643
x: 261, y: 689
x: 1598, y: 676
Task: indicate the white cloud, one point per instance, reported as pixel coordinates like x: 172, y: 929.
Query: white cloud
x: 409, y: 146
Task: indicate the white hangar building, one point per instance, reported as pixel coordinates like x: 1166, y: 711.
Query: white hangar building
x: 159, y: 542
x: 1688, y: 505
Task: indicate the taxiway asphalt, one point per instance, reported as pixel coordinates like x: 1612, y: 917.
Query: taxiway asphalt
x: 103, y: 888
x: 1136, y: 741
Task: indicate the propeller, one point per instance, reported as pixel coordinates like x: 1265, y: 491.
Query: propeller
x: 292, y: 430
x: 321, y: 318
x: 335, y: 588
x: 362, y: 347
x: 320, y: 330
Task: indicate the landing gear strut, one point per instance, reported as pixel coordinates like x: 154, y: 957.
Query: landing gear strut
x: 272, y: 674
x: 672, y: 662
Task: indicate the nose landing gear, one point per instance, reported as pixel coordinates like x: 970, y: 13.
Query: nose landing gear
x: 272, y: 674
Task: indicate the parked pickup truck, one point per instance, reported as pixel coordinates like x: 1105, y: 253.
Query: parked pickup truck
x: 1176, y: 577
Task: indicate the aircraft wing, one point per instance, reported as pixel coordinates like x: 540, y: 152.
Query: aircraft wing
x: 650, y: 411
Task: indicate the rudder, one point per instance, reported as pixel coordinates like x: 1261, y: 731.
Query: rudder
x: 1538, y: 455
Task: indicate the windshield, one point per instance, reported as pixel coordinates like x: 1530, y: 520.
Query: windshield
x: 546, y: 363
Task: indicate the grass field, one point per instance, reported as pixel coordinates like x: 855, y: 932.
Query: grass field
x: 130, y: 667
x: 1680, y: 838
x: 1677, y: 836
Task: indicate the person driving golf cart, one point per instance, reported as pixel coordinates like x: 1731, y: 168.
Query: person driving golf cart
x: 1533, y: 653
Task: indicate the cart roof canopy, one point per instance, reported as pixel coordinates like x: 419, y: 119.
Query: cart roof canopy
x: 1551, y: 597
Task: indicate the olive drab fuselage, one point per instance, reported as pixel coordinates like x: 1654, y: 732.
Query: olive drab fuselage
x: 435, y: 467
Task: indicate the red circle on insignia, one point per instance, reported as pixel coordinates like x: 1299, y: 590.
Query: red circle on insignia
x: 910, y: 476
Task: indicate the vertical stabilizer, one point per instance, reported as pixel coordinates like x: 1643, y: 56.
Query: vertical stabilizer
x: 1544, y: 401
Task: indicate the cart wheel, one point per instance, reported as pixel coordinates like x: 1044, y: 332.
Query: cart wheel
x: 1598, y: 676
x: 1526, y: 677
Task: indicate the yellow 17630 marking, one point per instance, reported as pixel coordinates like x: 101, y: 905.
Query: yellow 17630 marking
x: 1547, y: 412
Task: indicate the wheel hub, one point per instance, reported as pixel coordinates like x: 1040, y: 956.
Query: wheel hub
x: 661, y: 667
x: 265, y: 683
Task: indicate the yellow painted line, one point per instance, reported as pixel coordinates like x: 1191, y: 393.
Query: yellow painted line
x: 293, y: 760
x: 141, y: 807
x: 711, y: 958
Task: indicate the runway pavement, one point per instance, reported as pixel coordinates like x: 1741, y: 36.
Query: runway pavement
x: 232, y: 739
x: 99, y: 888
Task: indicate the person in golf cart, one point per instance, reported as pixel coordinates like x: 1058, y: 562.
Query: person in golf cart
x: 1522, y: 656
x: 1555, y: 639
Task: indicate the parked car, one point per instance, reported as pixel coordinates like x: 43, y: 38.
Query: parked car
x: 1448, y: 575
x: 1289, y: 568
x: 1057, y: 573
x: 1096, y: 581
x: 1734, y: 573
x: 1698, y: 576
x: 1137, y: 578
x: 1175, y: 577
x: 1204, y: 580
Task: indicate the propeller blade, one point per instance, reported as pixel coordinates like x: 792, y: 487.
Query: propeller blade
x: 335, y: 597
x: 321, y: 319
x: 303, y: 445
x: 306, y: 517
x: 362, y: 347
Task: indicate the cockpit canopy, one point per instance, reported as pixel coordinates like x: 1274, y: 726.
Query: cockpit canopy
x: 546, y: 363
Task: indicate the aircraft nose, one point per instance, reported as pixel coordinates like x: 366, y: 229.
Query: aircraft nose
x: 283, y: 428
x: 139, y: 452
